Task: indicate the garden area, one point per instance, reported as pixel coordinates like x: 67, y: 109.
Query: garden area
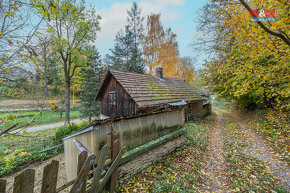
x: 17, y: 152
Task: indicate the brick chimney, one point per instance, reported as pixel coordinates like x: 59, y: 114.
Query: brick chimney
x: 159, y: 73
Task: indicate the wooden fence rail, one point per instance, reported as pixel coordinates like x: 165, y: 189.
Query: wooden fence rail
x: 24, y: 182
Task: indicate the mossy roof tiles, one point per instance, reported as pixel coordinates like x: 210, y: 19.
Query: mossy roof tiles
x: 148, y: 90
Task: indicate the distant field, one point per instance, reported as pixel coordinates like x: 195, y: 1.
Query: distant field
x: 30, y: 103
x: 47, y: 117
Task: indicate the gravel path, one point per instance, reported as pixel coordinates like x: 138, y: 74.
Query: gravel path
x: 215, y: 167
x: 48, y: 126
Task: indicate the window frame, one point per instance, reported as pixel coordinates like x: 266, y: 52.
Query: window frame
x: 113, y: 98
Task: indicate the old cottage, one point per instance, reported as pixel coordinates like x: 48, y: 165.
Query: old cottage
x: 127, y: 93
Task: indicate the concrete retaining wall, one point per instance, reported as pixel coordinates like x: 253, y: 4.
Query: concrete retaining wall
x: 131, y: 132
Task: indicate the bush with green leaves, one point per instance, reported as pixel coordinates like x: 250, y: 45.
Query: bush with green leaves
x: 64, y: 131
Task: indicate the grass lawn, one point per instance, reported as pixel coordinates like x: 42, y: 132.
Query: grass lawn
x: 46, y: 117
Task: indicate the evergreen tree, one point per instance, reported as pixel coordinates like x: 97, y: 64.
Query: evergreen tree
x: 135, y: 26
x: 126, y: 54
x: 90, y: 84
x: 123, y: 55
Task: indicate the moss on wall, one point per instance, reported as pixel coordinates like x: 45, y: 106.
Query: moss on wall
x: 146, y: 133
x: 127, y: 135
x: 101, y: 144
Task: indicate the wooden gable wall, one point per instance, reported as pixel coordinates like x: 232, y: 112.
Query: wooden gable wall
x: 125, y: 105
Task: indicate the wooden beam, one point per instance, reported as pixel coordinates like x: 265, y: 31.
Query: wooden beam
x: 114, y: 174
x: 81, y: 161
x: 82, y: 176
x: 99, y: 169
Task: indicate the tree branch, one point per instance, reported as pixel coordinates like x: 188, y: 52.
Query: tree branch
x: 6, y: 130
x: 277, y: 34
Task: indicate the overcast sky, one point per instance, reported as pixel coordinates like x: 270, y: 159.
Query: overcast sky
x: 180, y: 15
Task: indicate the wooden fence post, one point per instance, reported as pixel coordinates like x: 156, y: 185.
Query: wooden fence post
x: 24, y: 182
x: 110, y: 170
x: 81, y: 180
x: 81, y: 160
x: 100, y: 166
x: 2, y: 186
x: 114, y: 174
x: 49, y: 179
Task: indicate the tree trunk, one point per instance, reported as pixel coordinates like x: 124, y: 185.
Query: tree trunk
x: 67, y: 98
x: 45, y: 81
x: 45, y: 69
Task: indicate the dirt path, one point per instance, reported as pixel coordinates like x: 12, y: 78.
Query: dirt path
x: 215, y: 167
x: 259, y: 148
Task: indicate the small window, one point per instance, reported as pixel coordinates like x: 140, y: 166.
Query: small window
x: 112, y: 97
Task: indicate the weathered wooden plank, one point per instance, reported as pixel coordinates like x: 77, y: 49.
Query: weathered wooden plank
x: 81, y: 160
x: 49, y: 179
x: 110, y: 170
x: 2, y: 185
x: 24, y: 182
x: 114, y: 174
x: 82, y: 176
x: 100, y: 166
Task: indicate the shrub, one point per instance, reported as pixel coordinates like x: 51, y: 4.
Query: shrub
x: 66, y: 130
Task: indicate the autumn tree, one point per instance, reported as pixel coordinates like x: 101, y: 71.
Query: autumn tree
x: 250, y: 65
x: 72, y: 27
x: 161, y: 48
x: 188, y: 71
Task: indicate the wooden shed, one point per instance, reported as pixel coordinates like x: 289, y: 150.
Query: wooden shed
x: 127, y: 93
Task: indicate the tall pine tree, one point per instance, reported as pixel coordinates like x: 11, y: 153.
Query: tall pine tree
x: 135, y: 26
x: 91, y: 82
x: 127, y: 54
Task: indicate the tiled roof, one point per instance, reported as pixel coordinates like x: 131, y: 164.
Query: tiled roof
x: 149, y: 90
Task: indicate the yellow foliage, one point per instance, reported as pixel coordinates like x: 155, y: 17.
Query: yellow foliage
x: 161, y: 48
x: 251, y: 65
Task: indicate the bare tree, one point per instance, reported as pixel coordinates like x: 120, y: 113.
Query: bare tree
x: 16, y: 31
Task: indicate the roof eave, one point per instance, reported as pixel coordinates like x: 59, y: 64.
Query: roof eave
x: 103, y: 85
